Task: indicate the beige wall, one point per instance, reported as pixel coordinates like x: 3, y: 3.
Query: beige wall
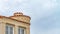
x: 22, y: 18
x: 3, y: 22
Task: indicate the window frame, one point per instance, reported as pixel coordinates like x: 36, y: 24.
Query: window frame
x: 9, y: 26
x: 23, y: 28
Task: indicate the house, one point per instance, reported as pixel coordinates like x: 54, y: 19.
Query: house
x: 16, y: 24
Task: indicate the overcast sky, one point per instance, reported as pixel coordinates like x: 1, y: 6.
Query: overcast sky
x: 45, y: 14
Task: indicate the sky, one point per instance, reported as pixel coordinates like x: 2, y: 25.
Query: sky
x: 45, y: 14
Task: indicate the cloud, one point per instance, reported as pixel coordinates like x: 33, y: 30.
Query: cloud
x: 43, y: 8
x: 49, y: 5
x: 12, y: 5
x: 39, y: 10
x: 32, y: 6
x: 52, y: 31
x: 6, y: 0
x: 45, y: 4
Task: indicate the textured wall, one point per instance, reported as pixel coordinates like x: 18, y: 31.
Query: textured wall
x: 3, y: 22
x: 22, y: 18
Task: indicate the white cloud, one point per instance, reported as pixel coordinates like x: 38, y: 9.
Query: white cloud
x: 52, y: 31
x: 37, y: 5
x: 43, y: 8
x: 45, y: 4
x: 6, y: 0
x: 20, y: 1
x: 49, y: 4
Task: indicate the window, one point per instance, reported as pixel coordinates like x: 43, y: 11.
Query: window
x: 9, y: 29
x: 21, y: 30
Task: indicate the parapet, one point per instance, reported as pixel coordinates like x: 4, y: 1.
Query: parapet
x: 18, y: 13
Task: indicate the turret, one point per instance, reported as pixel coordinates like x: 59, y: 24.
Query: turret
x: 20, y: 17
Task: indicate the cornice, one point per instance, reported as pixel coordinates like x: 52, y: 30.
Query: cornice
x: 15, y: 19
x: 21, y: 15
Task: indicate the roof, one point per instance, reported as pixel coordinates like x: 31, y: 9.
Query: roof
x: 15, y: 19
x: 21, y: 15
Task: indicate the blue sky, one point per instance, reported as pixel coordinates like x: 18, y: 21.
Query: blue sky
x: 45, y: 14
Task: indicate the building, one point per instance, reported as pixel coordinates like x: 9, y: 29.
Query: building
x: 16, y: 24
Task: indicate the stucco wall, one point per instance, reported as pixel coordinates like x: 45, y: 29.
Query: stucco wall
x: 22, y: 18
x: 3, y: 22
